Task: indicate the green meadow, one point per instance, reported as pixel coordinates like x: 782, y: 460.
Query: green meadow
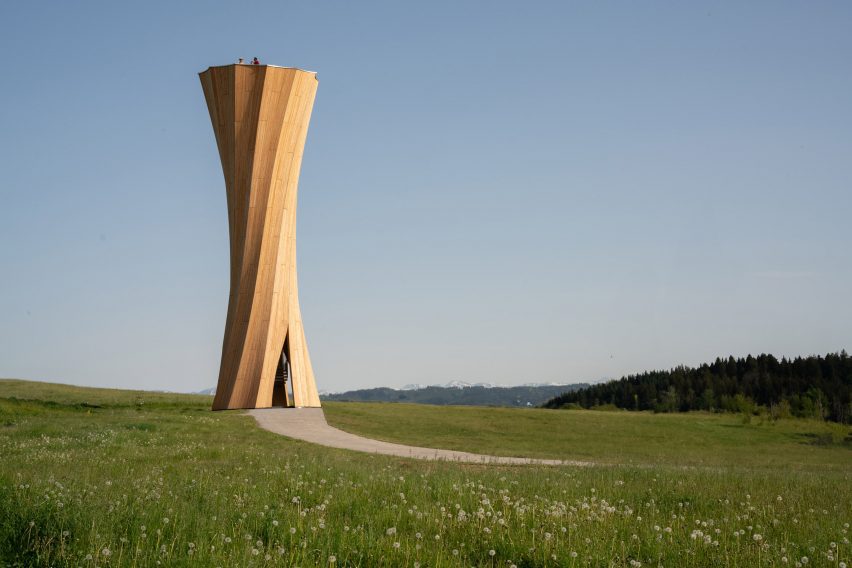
x: 610, y: 437
x: 97, y: 477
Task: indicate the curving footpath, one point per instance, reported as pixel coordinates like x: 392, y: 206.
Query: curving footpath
x: 309, y: 425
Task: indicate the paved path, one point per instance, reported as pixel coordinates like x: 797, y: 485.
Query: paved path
x: 309, y: 424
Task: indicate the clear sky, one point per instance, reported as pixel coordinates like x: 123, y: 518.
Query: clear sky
x: 498, y: 191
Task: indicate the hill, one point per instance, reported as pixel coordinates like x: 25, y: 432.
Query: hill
x: 473, y: 395
x: 806, y: 387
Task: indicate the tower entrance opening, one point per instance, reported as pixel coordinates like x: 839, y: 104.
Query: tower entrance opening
x: 282, y: 388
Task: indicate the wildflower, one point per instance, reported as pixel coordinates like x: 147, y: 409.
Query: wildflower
x: 396, y: 545
x: 227, y: 540
x: 106, y: 552
x: 254, y: 552
x: 573, y: 554
x: 492, y: 552
x: 274, y: 523
x: 332, y: 559
x: 455, y: 552
x: 757, y: 537
x: 391, y: 531
x: 292, y: 530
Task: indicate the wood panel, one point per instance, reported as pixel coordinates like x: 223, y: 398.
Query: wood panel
x: 260, y: 116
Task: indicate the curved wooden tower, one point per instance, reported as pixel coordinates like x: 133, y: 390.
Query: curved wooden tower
x: 260, y: 116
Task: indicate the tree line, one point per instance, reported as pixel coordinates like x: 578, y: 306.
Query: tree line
x: 813, y: 387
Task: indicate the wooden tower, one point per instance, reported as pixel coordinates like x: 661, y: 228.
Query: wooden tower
x: 260, y: 116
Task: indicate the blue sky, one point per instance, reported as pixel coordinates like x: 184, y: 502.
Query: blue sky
x: 491, y: 191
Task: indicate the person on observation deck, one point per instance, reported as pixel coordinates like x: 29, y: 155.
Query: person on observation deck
x: 255, y: 61
x: 241, y: 61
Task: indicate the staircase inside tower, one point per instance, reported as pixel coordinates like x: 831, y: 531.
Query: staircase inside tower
x: 282, y: 393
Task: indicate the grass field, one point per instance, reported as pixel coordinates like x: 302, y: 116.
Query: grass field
x: 616, y: 437
x: 119, y: 478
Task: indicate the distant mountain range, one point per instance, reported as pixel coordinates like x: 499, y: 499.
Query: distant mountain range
x: 460, y: 392
x: 454, y: 392
x: 464, y: 385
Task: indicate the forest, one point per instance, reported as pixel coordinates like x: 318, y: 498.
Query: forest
x: 814, y: 387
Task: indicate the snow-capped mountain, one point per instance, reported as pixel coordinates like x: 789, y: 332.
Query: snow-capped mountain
x: 464, y: 384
